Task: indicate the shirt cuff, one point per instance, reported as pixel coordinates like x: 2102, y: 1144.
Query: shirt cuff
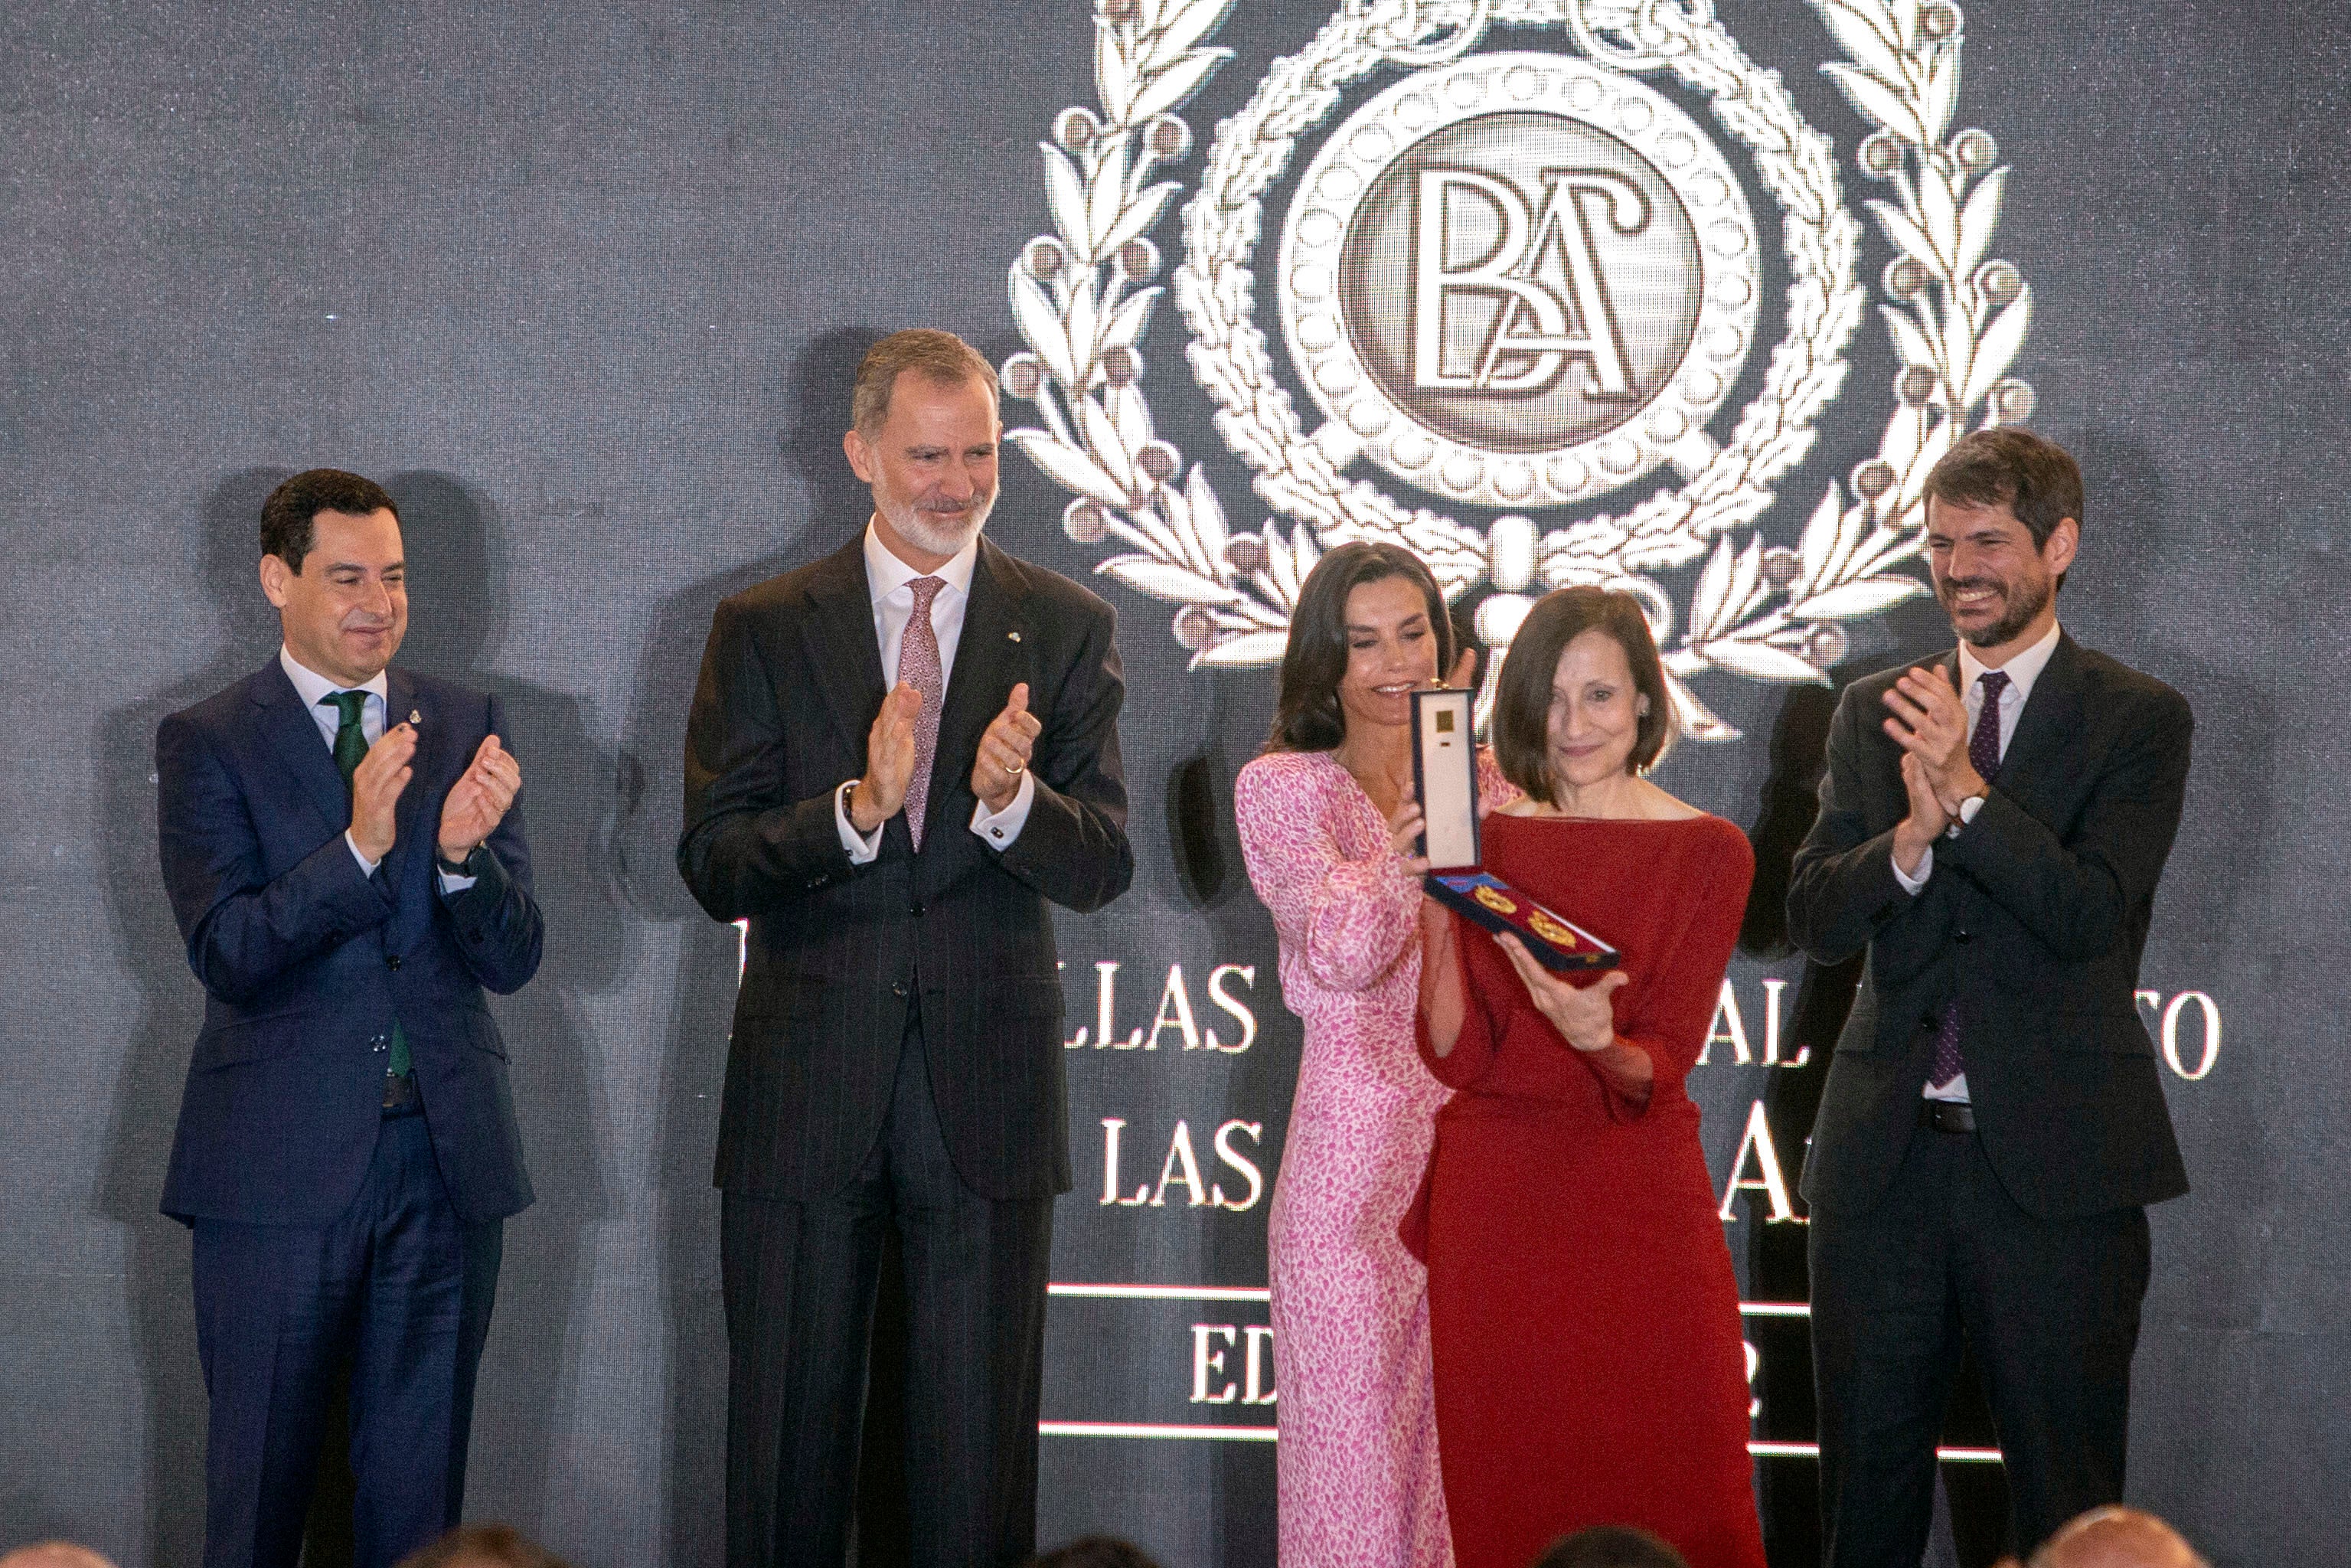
x: 1911, y: 885
x: 452, y: 886
x: 1001, y: 828
x: 367, y: 866
x: 863, y: 849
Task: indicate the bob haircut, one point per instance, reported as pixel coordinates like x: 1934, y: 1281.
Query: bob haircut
x: 1306, y: 715
x: 1522, y: 693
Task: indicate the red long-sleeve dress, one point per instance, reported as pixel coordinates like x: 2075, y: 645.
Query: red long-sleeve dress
x: 1584, y: 1316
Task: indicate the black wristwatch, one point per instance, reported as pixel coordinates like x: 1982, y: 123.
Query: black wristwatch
x: 455, y: 868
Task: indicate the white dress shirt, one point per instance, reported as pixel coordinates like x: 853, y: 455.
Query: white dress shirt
x: 888, y: 579
x: 2022, y: 672
x: 314, y: 689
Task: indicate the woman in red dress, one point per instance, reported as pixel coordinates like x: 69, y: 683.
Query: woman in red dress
x: 1583, y: 1317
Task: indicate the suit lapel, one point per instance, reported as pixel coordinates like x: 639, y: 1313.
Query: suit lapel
x: 837, y: 643
x: 989, y: 659
x: 416, y: 819
x: 2052, y: 713
x: 295, y: 736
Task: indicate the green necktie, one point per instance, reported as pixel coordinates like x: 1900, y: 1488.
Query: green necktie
x: 351, y: 739
x: 350, y: 745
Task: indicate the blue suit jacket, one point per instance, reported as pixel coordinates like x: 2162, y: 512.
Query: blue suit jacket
x: 306, y: 961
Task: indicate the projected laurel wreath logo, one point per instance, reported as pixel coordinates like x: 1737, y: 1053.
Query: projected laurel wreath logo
x: 1500, y: 302
x: 1519, y: 287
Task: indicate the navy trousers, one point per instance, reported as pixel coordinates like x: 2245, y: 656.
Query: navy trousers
x: 800, y: 1282
x: 398, y: 1288
x: 2049, y: 1307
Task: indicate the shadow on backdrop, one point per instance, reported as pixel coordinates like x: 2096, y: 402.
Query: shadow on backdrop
x: 224, y: 554
x: 2123, y: 541
x: 2201, y: 928
x: 650, y: 787
x: 459, y: 568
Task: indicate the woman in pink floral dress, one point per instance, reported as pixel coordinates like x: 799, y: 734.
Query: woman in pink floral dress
x: 1327, y: 827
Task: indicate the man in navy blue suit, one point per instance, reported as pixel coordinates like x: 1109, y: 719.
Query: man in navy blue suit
x: 343, y: 854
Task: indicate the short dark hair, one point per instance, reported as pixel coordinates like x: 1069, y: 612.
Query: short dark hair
x: 1521, y: 725
x: 1306, y: 712
x: 2007, y: 466
x: 292, y: 507
x: 938, y: 357
x: 1611, y: 1546
x: 1096, y: 1552
x: 478, y: 1544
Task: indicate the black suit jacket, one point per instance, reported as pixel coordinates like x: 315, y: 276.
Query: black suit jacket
x: 2033, y: 918
x: 307, y: 960
x: 791, y: 681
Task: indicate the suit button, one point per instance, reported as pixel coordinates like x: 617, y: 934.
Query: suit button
x: 916, y: 912
x: 897, y: 988
x: 1959, y: 935
x: 1927, y: 1021
x: 391, y: 961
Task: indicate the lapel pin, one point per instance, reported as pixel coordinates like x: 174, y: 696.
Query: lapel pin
x: 1015, y: 636
x: 415, y: 717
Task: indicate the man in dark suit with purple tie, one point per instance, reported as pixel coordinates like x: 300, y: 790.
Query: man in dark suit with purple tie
x: 345, y: 857
x: 1991, y: 831
x: 898, y: 758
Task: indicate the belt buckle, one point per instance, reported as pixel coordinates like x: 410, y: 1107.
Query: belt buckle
x: 400, y: 1096
x: 1948, y: 1115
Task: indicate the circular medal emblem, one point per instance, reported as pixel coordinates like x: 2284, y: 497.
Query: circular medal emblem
x: 1551, y: 930
x: 1520, y: 280
x: 1526, y: 281
x: 1494, y: 900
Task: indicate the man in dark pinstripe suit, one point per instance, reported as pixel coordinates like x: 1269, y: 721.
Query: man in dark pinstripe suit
x: 897, y: 758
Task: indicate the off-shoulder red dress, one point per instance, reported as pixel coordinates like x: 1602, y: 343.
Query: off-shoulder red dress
x: 1584, y: 1316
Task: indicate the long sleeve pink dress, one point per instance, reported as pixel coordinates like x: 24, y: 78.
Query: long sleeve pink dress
x: 1356, y: 1469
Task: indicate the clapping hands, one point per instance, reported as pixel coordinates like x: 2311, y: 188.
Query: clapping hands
x: 479, y: 800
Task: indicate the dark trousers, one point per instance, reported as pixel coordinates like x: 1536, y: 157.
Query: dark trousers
x: 800, y: 1282
x: 399, y: 1289
x: 2049, y: 1307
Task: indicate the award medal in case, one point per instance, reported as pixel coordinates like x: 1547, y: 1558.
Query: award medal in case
x: 1445, y: 776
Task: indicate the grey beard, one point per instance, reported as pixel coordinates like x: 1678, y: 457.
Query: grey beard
x: 917, y: 528
x: 2021, y: 612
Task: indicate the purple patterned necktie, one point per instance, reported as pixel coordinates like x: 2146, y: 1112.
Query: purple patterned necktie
x: 1983, y: 750
x: 918, y: 666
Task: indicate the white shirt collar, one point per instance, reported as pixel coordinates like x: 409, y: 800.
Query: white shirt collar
x: 2022, y: 670
x: 314, y: 687
x: 885, y: 574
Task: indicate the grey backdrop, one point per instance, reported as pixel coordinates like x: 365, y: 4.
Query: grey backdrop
x: 584, y: 284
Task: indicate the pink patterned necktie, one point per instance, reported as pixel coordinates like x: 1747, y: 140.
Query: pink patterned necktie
x: 1983, y: 750
x: 918, y: 666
